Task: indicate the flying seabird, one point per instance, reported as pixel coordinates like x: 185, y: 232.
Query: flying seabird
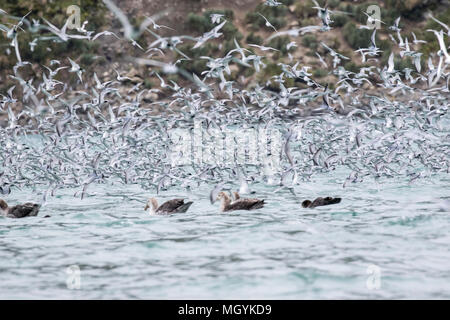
x: 168, y: 207
x: 19, y: 211
x: 239, y: 203
x: 320, y: 202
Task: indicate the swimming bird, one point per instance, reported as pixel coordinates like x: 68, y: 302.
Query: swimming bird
x: 19, y: 211
x: 168, y: 207
x: 239, y: 203
x: 320, y: 202
x: 379, y: 137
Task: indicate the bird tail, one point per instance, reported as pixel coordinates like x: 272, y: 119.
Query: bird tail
x: 336, y: 200
x: 258, y: 205
x: 35, y: 210
x: 184, y: 207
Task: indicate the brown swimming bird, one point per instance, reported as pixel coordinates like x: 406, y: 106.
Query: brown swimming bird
x: 239, y: 204
x: 168, y: 207
x: 19, y: 211
x: 320, y: 202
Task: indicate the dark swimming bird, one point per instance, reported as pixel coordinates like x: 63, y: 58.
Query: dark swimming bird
x: 320, y: 202
x: 168, y: 207
x: 239, y: 204
x: 19, y: 211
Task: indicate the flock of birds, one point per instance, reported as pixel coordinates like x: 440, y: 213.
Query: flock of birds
x: 58, y: 136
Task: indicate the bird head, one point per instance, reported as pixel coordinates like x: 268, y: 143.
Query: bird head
x: 306, y: 203
x: 222, y: 195
x: 3, y: 204
x: 152, y: 204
